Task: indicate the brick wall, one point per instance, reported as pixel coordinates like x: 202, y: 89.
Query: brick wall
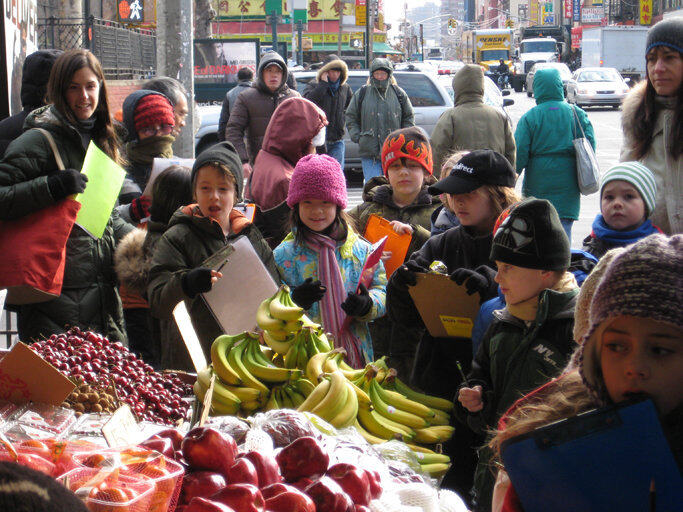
x: 118, y: 90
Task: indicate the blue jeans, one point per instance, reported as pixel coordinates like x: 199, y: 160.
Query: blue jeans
x: 336, y: 150
x: 567, y: 226
x: 371, y: 167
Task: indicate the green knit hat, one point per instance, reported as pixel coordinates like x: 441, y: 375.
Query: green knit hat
x: 529, y: 234
x: 637, y: 175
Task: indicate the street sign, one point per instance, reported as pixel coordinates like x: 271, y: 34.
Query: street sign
x: 300, y: 15
x: 274, y: 5
x: 360, y: 12
x: 131, y: 11
x: 509, y: 23
x: 306, y: 43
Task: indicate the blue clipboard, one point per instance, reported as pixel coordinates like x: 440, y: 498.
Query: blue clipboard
x: 601, y: 460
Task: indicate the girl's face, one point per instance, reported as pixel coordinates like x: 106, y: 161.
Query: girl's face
x: 643, y: 356
x: 664, y: 70
x: 83, y: 93
x: 473, y: 209
x: 622, y: 206
x: 215, y: 195
x: 405, y: 177
x: 519, y: 284
x: 317, y: 215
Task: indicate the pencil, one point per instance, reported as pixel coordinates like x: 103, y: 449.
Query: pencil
x: 653, y: 496
x: 221, y: 265
x: 462, y: 374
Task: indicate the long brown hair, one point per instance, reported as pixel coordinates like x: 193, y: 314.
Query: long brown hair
x: 645, y: 119
x: 62, y: 72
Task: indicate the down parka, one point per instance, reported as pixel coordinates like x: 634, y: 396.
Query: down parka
x: 545, y: 151
x: 253, y: 109
x: 471, y: 124
x: 89, y: 297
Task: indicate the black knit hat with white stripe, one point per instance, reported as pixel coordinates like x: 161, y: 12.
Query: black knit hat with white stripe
x: 23, y: 489
x: 644, y: 281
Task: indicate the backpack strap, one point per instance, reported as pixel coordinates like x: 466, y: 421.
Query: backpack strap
x: 361, y: 95
x: 401, y: 98
x: 53, y: 146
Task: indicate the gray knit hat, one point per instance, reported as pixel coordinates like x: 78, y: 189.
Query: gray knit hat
x: 222, y: 153
x: 644, y: 281
x: 668, y: 32
x: 637, y: 175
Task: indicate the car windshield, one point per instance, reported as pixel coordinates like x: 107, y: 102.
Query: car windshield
x: 599, y: 75
x: 538, y: 46
x: 494, y: 55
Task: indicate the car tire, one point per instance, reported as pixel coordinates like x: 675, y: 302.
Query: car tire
x: 529, y: 93
x: 517, y: 85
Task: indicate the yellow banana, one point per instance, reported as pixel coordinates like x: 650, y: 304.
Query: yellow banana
x: 280, y: 307
x: 292, y: 356
x: 235, y: 358
x: 293, y: 326
x: 262, y: 369
x: 223, y: 409
x: 250, y: 407
x: 246, y: 394
x: 272, y: 402
x: 435, y: 470
x: 403, y: 403
x: 302, y: 357
x: 370, y: 438
x: 349, y: 411
x: 362, y: 396
x: 220, y: 391
x: 380, y: 426
x: 432, y: 458
x: 265, y: 321
x: 320, y: 340
x: 434, y: 434
x: 280, y: 335
x: 430, y: 401
x: 296, y: 397
x: 335, y: 399
x: 279, y: 346
x: 303, y: 386
x: 316, y: 396
x: 314, y: 367
x: 440, y: 418
x: 390, y: 412
x: 199, y: 391
x: 219, y: 351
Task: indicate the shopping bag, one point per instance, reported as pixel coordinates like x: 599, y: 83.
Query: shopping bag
x: 33, y: 249
x: 587, y: 170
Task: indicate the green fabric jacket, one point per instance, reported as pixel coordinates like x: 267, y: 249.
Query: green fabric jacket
x: 189, y: 240
x: 89, y: 297
x: 544, y: 145
x: 471, y: 124
x: 378, y: 115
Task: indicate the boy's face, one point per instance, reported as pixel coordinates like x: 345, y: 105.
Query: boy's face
x: 406, y: 176
x: 215, y: 195
x: 473, y: 208
x: 643, y: 356
x: 622, y: 206
x: 519, y: 284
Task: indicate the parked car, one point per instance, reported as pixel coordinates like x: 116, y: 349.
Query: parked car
x: 428, y: 96
x: 565, y: 74
x: 597, y: 86
x: 492, y: 94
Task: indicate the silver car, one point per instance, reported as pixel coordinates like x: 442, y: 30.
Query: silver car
x: 429, y: 98
x: 597, y: 86
x: 565, y: 74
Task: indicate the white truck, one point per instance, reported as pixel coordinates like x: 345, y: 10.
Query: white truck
x: 620, y: 47
x: 531, y: 51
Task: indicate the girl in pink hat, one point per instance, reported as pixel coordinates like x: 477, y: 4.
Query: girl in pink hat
x: 322, y: 258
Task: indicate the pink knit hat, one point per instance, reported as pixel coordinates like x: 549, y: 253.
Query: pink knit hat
x: 317, y: 177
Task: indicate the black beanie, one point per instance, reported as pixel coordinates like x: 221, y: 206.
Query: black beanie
x: 529, y: 234
x: 23, y: 489
x: 221, y: 153
x: 668, y: 32
x: 34, y: 76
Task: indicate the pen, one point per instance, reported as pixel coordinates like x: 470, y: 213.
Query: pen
x: 462, y: 374
x: 221, y: 265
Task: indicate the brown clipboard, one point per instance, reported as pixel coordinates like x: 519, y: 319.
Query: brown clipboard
x: 378, y: 227
x: 446, y: 309
x: 234, y: 298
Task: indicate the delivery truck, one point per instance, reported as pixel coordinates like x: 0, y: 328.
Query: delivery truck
x: 621, y: 47
x: 488, y: 47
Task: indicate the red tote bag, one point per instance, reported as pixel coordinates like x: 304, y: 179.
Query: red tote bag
x: 33, y: 248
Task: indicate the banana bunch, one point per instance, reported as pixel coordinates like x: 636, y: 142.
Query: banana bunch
x: 280, y: 319
x: 334, y: 399
x: 227, y: 399
x: 308, y: 342
x: 290, y: 395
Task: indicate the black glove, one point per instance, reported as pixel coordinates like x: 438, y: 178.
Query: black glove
x: 197, y: 280
x: 308, y: 292
x: 357, y: 304
x: 65, y: 183
x: 478, y: 280
x: 405, y: 274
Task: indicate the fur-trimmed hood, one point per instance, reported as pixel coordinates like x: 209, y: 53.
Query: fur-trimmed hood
x: 628, y: 109
x: 335, y: 64
x: 130, y: 263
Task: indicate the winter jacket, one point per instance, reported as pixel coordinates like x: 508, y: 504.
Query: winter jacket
x: 442, y: 220
x: 189, y: 240
x: 544, y: 145
x: 253, y: 109
x: 603, y: 238
x: 436, y: 357
x: 514, y: 358
x: 471, y: 124
x: 333, y: 104
x: 668, y: 213
x: 228, y: 103
x: 379, y: 114
x: 89, y: 298
x: 296, y: 263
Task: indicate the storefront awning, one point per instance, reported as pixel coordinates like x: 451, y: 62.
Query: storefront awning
x: 332, y: 47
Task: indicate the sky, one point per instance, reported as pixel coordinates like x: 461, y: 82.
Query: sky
x: 393, y: 11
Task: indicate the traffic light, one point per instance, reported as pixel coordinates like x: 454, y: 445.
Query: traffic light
x: 509, y: 23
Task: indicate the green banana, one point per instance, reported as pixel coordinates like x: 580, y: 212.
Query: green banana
x: 434, y: 434
x: 219, y: 350
x: 235, y: 358
x: 397, y: 415
x: 264, y: 370
x: 440, y: 418
x: 380, y: 426
x: 303, y: 386
x: 403, y: 403
x: 432, y: 458
x: 296, y: 397
x: 272, y: 402
x: 430, y: 401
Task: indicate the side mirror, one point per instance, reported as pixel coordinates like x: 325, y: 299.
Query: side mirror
x: 505, y: 92
x: 628, y: 80
x: 507, y: 102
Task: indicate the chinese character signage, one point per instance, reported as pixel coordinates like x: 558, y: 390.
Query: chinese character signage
x: 577, y: 10
x: 568, y: 4
x: 317, y: 9
x: 645, y: 12
x: 131, y: 11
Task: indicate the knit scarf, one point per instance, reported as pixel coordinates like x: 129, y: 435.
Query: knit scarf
x: 85, y: 128
x: 330, y: 305
x: 143, y: 152
x: 334, y: 86
x: 621, y: 238
x: 527, y: 309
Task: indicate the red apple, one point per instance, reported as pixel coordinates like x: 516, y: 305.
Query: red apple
x: 241, y: 498
x: 161, y: 445
x: 199, y: 504
x: 356, y: 508
x: 266, y: 468
x: 302, y: 457
x: 290, y: 501
x: 202, y: 484
x: 328, y: 496
x: 173, y: 434
x: 375, y: 483
x: 274, y: 489
x: 302, y: 483
x: 242, y: 472
x: 354, y: 481
x: 207, y: 448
